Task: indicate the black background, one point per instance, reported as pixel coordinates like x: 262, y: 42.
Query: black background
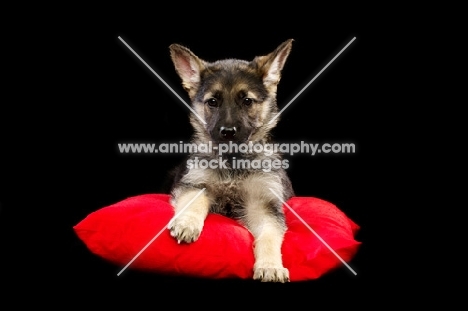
x: 97, y: 94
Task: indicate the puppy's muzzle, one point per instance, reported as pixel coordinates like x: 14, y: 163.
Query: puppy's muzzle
x: 227, y: 132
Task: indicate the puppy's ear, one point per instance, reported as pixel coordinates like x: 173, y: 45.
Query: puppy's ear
x: 188, y: 67
x: 270, y: 65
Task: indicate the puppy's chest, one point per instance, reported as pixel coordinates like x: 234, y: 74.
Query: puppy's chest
x: 227, y: 189
x: 228, y: 197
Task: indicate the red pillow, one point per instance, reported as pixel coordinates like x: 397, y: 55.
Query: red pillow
x: 225, y: 248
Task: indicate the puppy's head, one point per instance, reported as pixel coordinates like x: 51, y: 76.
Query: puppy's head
x: 236, y: 98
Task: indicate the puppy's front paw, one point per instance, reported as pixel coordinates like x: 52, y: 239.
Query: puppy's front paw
x: 270, y: 273
x: 186, y: 228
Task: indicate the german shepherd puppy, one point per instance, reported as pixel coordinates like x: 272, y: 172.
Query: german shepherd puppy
x: 237, y: 99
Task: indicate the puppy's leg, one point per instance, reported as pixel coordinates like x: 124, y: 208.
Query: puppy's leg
x: 265, y: 220
x: 268, y: 262
x: 188, y: 226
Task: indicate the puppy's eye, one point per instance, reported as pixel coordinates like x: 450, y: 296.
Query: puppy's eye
x: 212, y: 102
x: 247, y: 101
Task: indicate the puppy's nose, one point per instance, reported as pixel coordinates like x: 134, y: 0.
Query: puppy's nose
x: 227, y: 132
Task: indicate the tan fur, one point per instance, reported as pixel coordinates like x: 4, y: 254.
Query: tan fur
x: 268, y: 265
x: 188, y: 225
x: 268, y: 233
